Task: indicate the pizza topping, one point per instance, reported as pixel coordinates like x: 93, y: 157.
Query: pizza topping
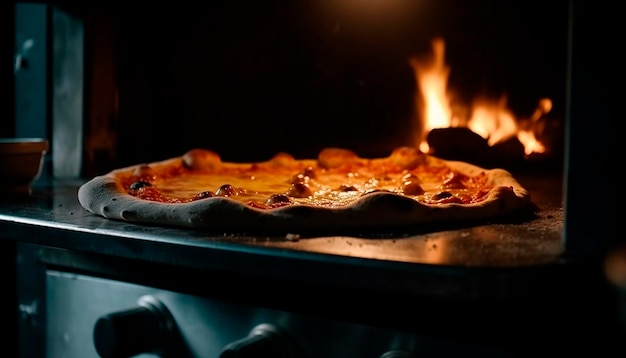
x: 278, y: 199
x: 303, y: 177
x: 346, y: 187
x: 410, y: 177
x: 411, y: 187
x: 455, y: 181
x: 338, y: 178
x: 309, y: 172
x: 138, y: 185
x: 204, y: 195
x: 300, y: 179
x: 152, y: 194
x: 442, y: 195
x: 226, y: 190
x: 446, y: 198
x: 299, y: 190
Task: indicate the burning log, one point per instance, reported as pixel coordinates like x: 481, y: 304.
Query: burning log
x: 461, y: 143
x: 456, y: 142
x: 486, y: 133
x: 508, y: 153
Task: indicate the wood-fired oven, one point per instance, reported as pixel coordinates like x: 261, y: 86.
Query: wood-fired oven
x: 527, y: 86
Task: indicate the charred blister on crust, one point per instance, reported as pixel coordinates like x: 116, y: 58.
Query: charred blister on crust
x: 138, y: 185
x: 299, y: 190
x: 226, y: 190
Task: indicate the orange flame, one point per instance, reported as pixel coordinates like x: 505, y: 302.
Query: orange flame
x: 490, y: 119
x: 431, y: 75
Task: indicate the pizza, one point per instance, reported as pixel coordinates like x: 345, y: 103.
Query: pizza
x: 336, y: 191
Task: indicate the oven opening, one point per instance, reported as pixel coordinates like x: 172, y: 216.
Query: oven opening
x: 251, y: 81
x: 485, y: 82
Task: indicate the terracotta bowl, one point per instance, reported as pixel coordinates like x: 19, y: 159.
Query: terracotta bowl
x: 21, y: 162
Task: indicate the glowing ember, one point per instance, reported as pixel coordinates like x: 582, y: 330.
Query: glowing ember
x: 491, y: 119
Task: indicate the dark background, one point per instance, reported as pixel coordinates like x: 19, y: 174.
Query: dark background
x: 250, y: 79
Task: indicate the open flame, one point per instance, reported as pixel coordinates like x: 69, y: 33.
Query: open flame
x: 491, y: 119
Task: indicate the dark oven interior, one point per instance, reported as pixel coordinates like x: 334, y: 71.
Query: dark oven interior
x: 249, y: 80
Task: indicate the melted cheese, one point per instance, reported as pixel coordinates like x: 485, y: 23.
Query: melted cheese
x: 328, y: 187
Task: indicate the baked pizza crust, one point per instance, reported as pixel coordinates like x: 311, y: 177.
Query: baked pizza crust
x: 105, y: 196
